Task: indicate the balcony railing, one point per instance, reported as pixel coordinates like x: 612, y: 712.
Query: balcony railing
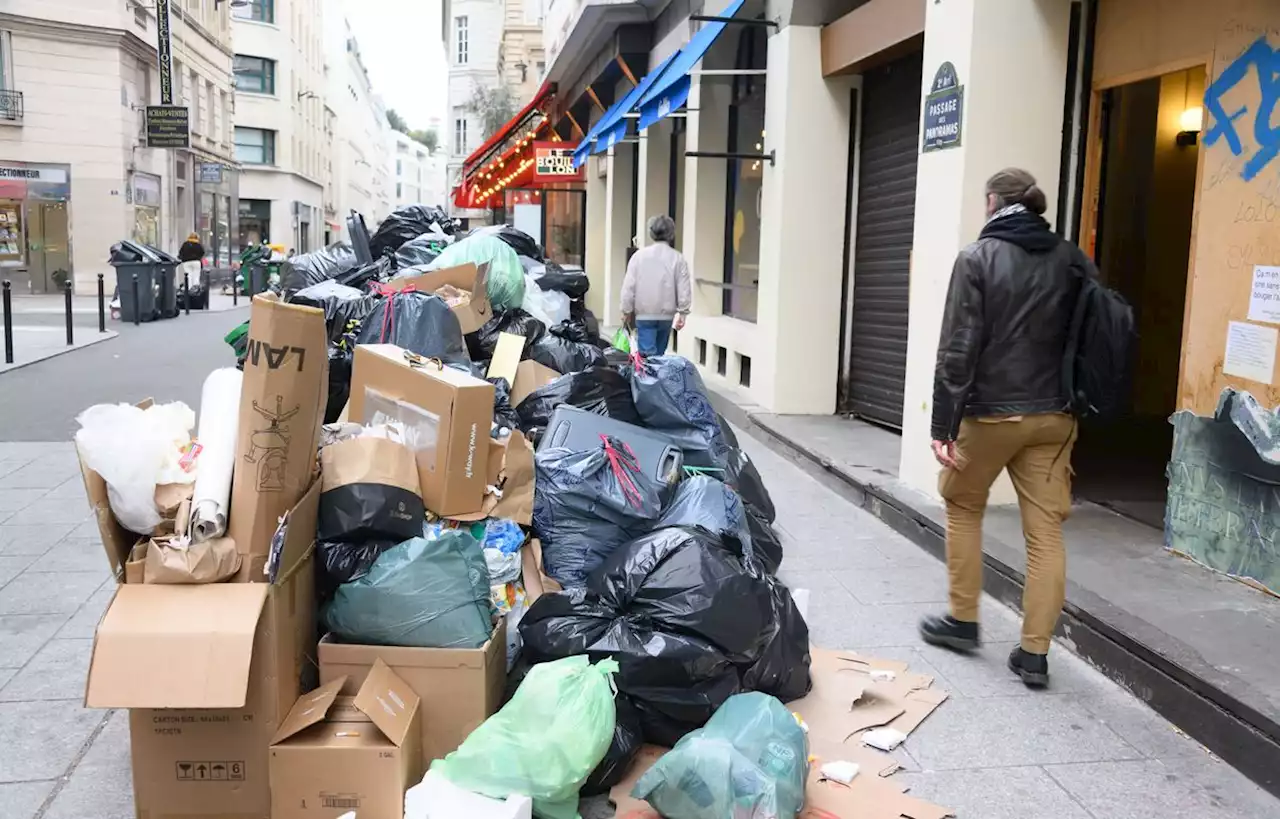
x: 11, y: 106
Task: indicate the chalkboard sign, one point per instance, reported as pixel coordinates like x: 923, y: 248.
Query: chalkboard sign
x: 943, y: 111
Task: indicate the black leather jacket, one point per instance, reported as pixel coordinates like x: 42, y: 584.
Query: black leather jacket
x: 1005, y: 327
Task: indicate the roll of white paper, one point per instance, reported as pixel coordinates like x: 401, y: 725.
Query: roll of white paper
x: 216, y: 435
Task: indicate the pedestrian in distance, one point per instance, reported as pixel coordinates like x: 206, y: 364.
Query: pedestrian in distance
x: 1000, y: 402
x: 191, y: 250
x: 656, y: 292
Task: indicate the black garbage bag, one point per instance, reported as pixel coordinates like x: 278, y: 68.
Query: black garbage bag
x: 565, y: 356
x: 362, y: 278
x: 484, y: 341
x: 689, y: 623
x: 766, y: 546
x: 588, y: 503
x: 418, y: 322
x: 405, y: 224
x: 503, y: 414
x: 628, y: 736
x: 422, y: 250
x: 341, y: 358
x: 707, y: 503
x: 573, y: 283
x: 593, y: 323
x: 341, y: 305
x: 601, y: 390
x: 573, y: 331
x: 742, y: 475
x: 671, y: 399
x: 311, y: 268
x: 519, y: 241
x: 342, y: 562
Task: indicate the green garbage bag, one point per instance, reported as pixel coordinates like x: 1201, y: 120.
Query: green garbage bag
x: 750, y: 759
x: 622, y: 340
x: 545, y: 742
x: 428, y: 592
x: 506, y: 275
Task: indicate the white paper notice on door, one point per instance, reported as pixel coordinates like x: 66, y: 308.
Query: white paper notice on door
x: 1251, y: 351
x: 1264, y: 297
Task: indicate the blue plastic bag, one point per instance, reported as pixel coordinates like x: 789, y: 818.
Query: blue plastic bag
x: 671, y: 399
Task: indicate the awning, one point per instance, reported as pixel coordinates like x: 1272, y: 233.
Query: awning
x: 530, y: 111
x: 613, y: 128
x: 589, y: 139
x: 505, y: 159
x: 671, y: 91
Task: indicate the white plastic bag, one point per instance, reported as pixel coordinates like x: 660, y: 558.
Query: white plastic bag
x: 547, y: 306
x: 134, y: 451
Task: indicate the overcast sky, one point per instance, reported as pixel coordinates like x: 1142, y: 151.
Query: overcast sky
x: 400, y: 45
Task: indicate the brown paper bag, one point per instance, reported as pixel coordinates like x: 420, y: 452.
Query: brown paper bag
x: 517, y: 482
x: 170, y: 562
x: 369, y: 491
x: 282, y: 402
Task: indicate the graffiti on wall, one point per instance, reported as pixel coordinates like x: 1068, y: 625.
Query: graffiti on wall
x: 1262, y: 62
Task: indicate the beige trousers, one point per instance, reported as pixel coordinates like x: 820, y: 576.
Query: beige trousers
x: 1036, y: 449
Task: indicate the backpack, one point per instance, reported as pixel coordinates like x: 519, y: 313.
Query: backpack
x: 1097, y: 366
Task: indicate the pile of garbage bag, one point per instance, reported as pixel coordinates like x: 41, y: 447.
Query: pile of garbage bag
x: 405, y: 224
x: 691, y: 621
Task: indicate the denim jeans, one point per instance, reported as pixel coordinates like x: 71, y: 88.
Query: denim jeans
x: 653, y: 336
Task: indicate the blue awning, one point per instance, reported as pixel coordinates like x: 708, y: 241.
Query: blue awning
x: 672, y: 89
x: 613, y: 125
x: 583, y: 150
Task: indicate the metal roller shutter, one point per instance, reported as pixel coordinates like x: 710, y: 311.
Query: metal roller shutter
x: 886, y: 220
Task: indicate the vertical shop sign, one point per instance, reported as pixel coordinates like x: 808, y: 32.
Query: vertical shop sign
x: 943, y: 111
x: 164, y: 52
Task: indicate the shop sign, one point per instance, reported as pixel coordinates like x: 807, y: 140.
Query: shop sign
x: 211, y: 173
x: 168, y: 126
x: 164, y: 53
x: 943, y: 111
x: 54, y: 176
x: 553, y: 162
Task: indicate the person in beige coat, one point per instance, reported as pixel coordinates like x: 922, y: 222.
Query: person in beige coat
x: 657, y: 292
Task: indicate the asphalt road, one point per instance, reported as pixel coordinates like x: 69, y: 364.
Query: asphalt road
x: 165, y: 360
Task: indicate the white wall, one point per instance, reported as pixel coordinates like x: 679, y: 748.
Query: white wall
x: 1003, y: 50
x: 484, y: 36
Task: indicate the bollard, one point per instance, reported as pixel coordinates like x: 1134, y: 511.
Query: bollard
x: 186, y: 290
x: 206, y: 279
x: 137, y: 302
x: 66, y: 288
x: 102, y: 305
x: 235, y: 289
x: 7, y: 309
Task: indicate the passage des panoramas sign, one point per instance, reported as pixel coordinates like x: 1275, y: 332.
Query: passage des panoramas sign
x: 943, y: 111
x: 553, y: 162
x: 168, y: 126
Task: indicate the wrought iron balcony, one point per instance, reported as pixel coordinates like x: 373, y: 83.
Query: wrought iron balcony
x: 11, y: 106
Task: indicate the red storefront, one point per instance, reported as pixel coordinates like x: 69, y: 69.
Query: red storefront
x: 524, y: 175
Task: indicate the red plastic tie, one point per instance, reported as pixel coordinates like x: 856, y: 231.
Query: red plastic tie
x: 388, y: 314
x: 623, y: 466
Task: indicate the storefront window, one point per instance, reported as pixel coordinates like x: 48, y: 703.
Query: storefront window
x: 11, y: 232
x: 745, y: 180
x: 566, y: 238
x: 255, y: 222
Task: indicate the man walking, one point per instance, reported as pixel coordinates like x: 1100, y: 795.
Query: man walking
x: 1000, y: 402
x: 656, y: 292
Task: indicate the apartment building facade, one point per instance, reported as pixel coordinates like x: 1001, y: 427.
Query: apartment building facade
x: 418, y: 173
x: 280, y: 122
x: 75, y: 173
x: 474, y: 50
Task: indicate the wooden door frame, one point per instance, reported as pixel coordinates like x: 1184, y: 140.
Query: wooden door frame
x: 1088, y: 207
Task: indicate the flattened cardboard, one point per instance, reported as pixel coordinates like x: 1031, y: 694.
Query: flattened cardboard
x: 286, y: 384
x: 459, y: 688
x: 506, y: 357
x: 475, y: 311
x: 530, y: 375
x: 454, y: 484
x: 536, y: 583
x: 336, y: 753
x: 176, y: 646
x: 517, y: 483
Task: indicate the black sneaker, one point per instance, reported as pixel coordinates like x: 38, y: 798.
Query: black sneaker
x: 1032, y: 668
x: 948, y: 632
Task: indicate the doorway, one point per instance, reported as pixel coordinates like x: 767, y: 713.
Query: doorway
x: 48, y: 246
x: 1139, y: 234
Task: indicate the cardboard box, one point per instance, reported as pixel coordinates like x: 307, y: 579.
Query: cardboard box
x: 459, y: 688
x: 334, y: 754
x: 286, y: 387
x: 453, y: 475
x: 530, y: 375
x: 207, y: 672
x: 474, y: 311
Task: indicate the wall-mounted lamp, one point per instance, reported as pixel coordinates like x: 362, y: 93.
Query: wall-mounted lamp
x: 1190, y: 125
x: 308, y: 95
x: 235, y: 4
x: 524, y: 71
